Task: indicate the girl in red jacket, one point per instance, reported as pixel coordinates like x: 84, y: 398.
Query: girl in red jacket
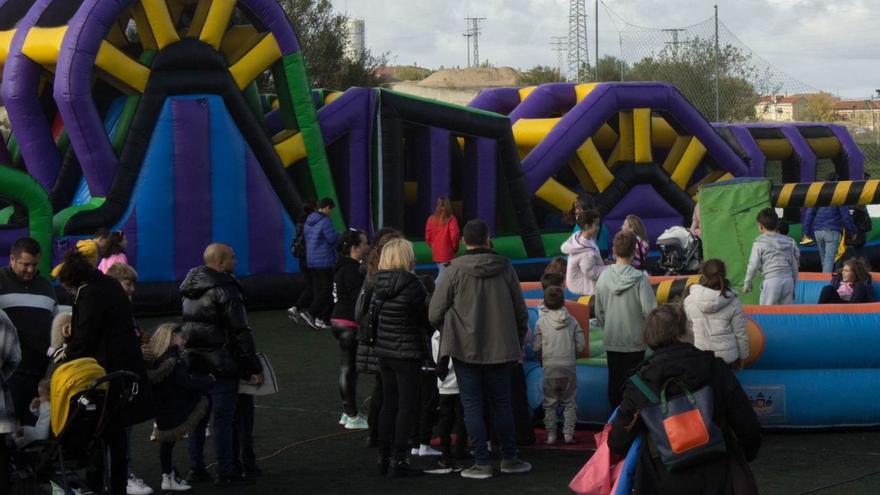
x: 442, y: 233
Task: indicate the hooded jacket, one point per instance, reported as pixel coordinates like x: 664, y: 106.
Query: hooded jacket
x: 836, y: 218
x: 558, y: 339
x: 443, y: 239
x: 733, y: 413
x: 718, y: 322
x: 584, y: 264
x: 215, y: 323
x: 321, y: 239
x: 479, y: 308
x: 178, y: 396
x: 775, y: 255
x: 623, y: 300
x: 403, y: 329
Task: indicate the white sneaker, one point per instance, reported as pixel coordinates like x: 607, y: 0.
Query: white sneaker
x: 356, y: 423
x: 293, y: 314
x: 321, y: 324
x: 136, y: 486
x: 153, y: 434
x: 343, y: 419
x: 428, y: 451
x: 551, y: 439
x: 414, y: 452
x: 171, y: 483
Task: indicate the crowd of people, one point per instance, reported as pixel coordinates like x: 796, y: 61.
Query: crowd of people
x: 446, y: 352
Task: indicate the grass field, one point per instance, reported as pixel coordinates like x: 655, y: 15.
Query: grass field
x: 305, y: 451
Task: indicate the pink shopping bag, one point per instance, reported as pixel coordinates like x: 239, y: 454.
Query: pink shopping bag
x: 601, y: 471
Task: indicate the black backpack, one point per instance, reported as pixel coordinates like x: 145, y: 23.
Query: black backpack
x: 298, y: 248
x: 863, y: 223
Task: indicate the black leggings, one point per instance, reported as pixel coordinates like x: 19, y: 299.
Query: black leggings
x: 427, y: 409
x: 400, y: 388
x: 345, y: 335
x: 165, y: 458
x: 620, y: 367
x: 375, y: 410
x: 452, y: 421
x: 305, y: 296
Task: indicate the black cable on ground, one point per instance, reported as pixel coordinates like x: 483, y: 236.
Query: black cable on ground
x: 835, y: 485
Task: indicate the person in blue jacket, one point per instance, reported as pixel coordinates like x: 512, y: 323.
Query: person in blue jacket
x: 321, y: 239
x: 826, y: 225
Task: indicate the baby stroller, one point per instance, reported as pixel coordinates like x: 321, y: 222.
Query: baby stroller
x: 81, y: 409
x: 681, y: 252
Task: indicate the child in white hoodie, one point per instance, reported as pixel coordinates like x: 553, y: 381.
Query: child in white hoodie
x: 558, y: 339
x: 451, y: 414
x: 42, y: 408
x: 585, y: 262
x: 717, y: 315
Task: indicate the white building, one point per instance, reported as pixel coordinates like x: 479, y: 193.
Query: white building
x: 356, y: 45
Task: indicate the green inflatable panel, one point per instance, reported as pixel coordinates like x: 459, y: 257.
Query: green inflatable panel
x: 24, y: 190
x: 728, y: 212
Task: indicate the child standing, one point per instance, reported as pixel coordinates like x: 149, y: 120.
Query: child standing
x: 558, y: 339
x: 634, y: 224
x: 428, y: 394
x: 179, y: 399
x: 585, y: 260
x: 716, y: 315
x: 777, y: 257
x: 451, y: 414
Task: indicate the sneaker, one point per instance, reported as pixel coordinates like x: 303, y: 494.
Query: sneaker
x: 551, y: 438
x: 136, y: 486
x: 293, y: 314
x: 171, y: 483
x: 428, y: 451
x: 198, y: 475
x: 321, y: 324
x: 443, y: 465
x: 153, y: 433
x: 414, y: 452
x: 356, y: 423
x: 569, y: 440
x: 478, y: 472
x: 402, y: 469
x: 514, y: 466
x: 308, y: 319
x: 343, y: 419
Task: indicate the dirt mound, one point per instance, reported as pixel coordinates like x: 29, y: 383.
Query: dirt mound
x: 474, y: 77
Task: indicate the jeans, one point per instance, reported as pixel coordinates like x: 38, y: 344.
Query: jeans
x: 322, y: 293
x: 243, y: 438
x: 345, y: 335
x: 620, y: 367
x: 400, y: 390
x: 224, y: 395
x: 827, y: 241
x: 494, y: 380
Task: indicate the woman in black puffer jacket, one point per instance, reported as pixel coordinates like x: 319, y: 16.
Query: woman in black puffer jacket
x: 403, y: 328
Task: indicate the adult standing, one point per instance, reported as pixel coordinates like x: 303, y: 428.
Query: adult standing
x: 321, y: 239
x: 399, y: 302
x: 483, y: 320
x: 298, y: 250
x: 29, y: 301
x: 442, y: 234
x: 103, y: 328
x: 826, y: 225
x: 10, y: 356
x: 219, y: 342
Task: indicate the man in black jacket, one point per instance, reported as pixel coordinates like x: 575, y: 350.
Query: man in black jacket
x: 29, y: 300
x: 219, y: 342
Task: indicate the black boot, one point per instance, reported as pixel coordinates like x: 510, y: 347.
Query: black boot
x: 384, y: 459
x: 402, y: 469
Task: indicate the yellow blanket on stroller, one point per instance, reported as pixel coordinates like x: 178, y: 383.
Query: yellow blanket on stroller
x: 68, y: 380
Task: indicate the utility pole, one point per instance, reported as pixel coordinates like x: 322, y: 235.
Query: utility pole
x: 717, y: 71
x: 468, y: 36
x: 578, y: 56
x: 474, y: 31
x: 675, y: 42
x: 873, y: 123
x: 558, y: 45
x: 596, y: 31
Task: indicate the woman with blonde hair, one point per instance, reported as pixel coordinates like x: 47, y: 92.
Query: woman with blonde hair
x: 180, y: 398
x: 401, y: 310
x: 442, y: 233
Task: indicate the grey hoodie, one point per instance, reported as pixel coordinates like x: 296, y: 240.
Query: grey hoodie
x: 775, y: 255
x: 479, y: 308
x: 558, y: 338
x: 623, y: 299
x: 718, y: 322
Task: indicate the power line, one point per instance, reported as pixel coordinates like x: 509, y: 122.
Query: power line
x: 578, y: 55
x: 474, y: 32
x: 559, y: 47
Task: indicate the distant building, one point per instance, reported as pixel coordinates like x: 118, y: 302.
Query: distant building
x: 858, y: 113
x: 775, y: 108
x: 356, y: 45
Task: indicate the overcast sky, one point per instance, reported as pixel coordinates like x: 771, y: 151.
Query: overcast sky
x: 827, y: 44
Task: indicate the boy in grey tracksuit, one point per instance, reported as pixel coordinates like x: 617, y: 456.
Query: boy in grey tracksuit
x: 777, y: 257
x: 558, y: 339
